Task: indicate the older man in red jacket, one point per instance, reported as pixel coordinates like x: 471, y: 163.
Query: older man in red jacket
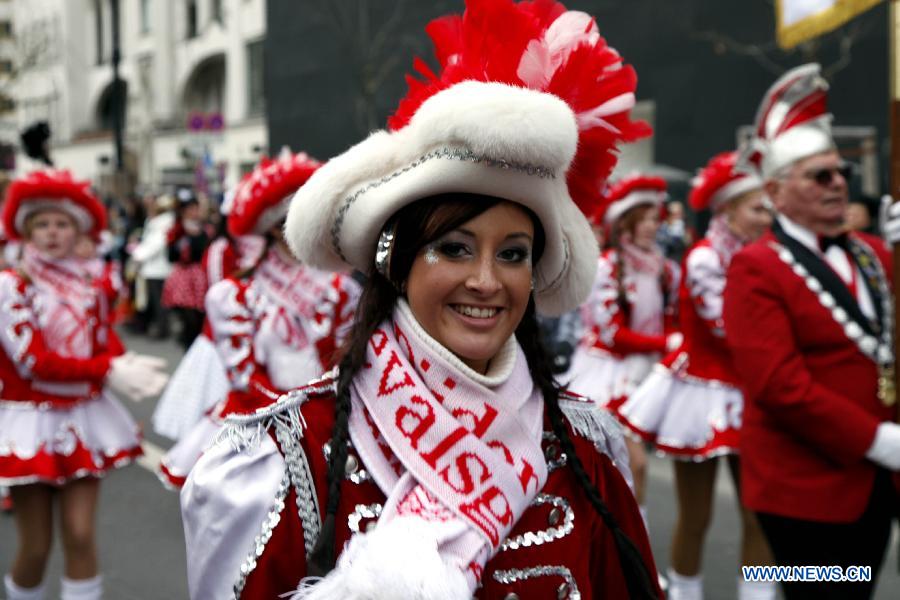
x: 809, y: 321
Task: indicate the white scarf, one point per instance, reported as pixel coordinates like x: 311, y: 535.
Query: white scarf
x: 66, y: 299
x: 457, y: 452
x: 723, y: 240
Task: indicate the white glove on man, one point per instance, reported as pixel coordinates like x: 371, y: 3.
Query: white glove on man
x: 673, y: 341
x: 137, y: 376
x: 885, y: 450
x: 891, y: 220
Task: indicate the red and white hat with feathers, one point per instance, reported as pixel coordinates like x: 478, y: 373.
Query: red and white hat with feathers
x: 261, y: 199
x: 626, y: 193
x: 720, y: 181
x: 52, y: 189
x: 792, y: 122
x: 529, y: 105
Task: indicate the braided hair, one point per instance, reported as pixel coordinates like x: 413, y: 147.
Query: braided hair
x: 417, y: 225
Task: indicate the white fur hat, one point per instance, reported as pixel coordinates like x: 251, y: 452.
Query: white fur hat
x: 475, y: 137
x: 792, y: 123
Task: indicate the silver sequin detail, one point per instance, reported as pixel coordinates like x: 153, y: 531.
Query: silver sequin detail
x: 461, y: 154
x: 514, y: 575
x: 357, y: 476
x: 362, y: 511
x: 301, y: 478
x: 558, y: 461
x: 551, y: 534
x: 260, y: 541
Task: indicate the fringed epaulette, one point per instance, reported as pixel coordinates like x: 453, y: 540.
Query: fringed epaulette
x: 597, y: 424
x: 243, y: 431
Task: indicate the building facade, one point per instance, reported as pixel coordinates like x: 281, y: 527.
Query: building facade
x: 192, y: 73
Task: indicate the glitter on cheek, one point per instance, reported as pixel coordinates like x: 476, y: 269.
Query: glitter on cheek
x: 431, y: 257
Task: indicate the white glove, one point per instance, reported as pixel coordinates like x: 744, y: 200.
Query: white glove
x: 137, y: 376
x: 885, y: 450
x: 673, y: 341
x: 891, y: 227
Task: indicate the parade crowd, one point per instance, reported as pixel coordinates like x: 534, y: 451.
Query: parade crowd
x: 434, y: 366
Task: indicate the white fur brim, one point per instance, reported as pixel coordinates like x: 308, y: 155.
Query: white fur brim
x: 395, y: 561
x: 796, y: 144
x: 480, y: 138
x: 31, y: 206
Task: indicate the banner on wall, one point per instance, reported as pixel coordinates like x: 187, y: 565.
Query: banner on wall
x: 797, y: 21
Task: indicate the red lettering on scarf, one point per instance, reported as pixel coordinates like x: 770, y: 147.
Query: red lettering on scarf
x: 466, y: 484
x: 379, y: 341
x: 526, y: 475
x: 489, y: 508
x: 425, y: 421
x: 507, y: 455
x: 480, y: 424
x: 393, y: 362
x: 444, y: 446
x: 401, y: 337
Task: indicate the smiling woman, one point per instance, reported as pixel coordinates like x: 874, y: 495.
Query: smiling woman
x: 443, y: 430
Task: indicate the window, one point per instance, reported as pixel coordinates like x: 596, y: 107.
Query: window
x: 218, y: 15
x: 7, y: 104
x: 146, y: 16
x: 5, y: 29
x: 6, y: 66
x: 98, y: 29
x: 191, y: 18
x: 256, y: 99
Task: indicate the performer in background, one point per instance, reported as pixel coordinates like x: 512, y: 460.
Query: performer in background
x: 629, y: 318
x: 453, y: 465
x: 276, y: 325
x: 200, y: 382
x: 61, y: 428
x: 809, y: 322
x: 690, y: 406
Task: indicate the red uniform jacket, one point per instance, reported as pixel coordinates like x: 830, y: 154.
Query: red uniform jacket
x: 575, y: 547
x: 811, y: 406
x: 33, y: 369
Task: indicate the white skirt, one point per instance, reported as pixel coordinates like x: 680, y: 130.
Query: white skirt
x: 56, y: 445
x: 197, y: 385
x: 604, y: 378
x: 181, y: 458
x: 685, y: 417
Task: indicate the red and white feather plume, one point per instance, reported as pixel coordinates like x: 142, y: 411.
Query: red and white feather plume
x: 262, y: 199
x: 719, y: 182
x: 52, y: 189
x: 544, y: 47
x: 792, y: 122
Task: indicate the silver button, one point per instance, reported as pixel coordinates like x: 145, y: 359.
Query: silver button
x: 555, y: 517
x: 511, y: 596
x: 352, y: 464
x: 562, y: 592
x: 371, y: 525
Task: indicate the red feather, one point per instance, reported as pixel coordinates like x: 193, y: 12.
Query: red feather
x: 491, y: 41
x: 718, y: 172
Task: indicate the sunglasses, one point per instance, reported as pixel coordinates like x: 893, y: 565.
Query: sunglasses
x: 825, y: 175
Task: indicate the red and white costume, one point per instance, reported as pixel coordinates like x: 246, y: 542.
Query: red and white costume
x: 200, y: 380
x: 630, y: 311
x: 455, y: 472
x: 275, y: 330
x: 57, y: 420
x: 264, y: 489
x: 690, y: 405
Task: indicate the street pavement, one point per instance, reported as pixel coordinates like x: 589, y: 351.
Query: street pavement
x: 141, y: 542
